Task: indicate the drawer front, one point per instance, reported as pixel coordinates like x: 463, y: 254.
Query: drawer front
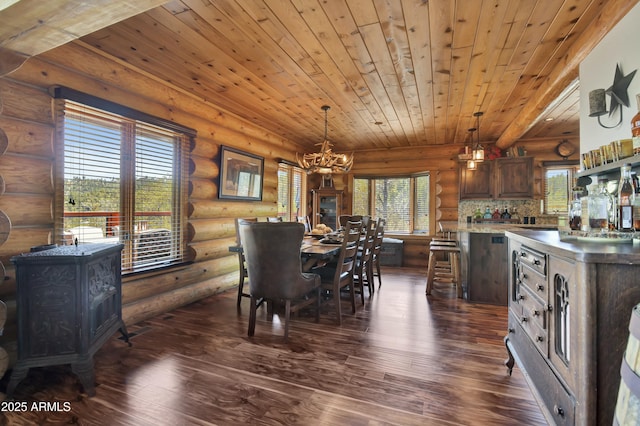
x: 557, y: 402
x: 534, y: 281
x: 534, y: 259
x: 533, y: 309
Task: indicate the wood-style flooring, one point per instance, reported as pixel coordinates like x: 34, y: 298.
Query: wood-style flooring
x: 402, y: 359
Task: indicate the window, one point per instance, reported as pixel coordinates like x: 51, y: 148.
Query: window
x: 558, y: 181
x: 403, y: 201
x: 123, y: 180
x: 291, y: 192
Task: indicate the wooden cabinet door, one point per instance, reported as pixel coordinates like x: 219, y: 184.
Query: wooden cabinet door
x: 476, y: 183
x: 327, y: 207
x: 514, y: 177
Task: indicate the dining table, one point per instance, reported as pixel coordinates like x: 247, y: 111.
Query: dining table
x: 313, y: 252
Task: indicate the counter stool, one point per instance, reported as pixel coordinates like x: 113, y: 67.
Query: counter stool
x: 443, y: 262
x: 453, y: 253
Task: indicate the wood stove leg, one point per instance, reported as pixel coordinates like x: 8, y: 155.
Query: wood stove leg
x: 84, y: 371
x: 125, y: 334
x: 17, y: 375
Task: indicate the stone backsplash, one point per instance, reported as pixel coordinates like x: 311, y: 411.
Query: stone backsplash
x: 528, y: 208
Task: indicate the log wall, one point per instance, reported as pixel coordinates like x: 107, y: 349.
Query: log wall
x: 27, y: 169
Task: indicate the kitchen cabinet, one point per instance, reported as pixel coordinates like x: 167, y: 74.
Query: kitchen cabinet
x: 327, y: 207
x: 502, y: 178
x: 569, y: 309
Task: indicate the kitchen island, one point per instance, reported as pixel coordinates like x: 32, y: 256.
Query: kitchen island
x: 484, y: 264
x: 569, y: 308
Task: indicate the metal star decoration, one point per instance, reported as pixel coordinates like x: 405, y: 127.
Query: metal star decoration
x: 618, y: 91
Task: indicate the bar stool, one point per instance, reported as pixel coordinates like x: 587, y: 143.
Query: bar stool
x: 453, y: 253
x: 443, y: 263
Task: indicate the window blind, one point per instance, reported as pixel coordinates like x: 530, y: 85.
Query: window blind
x: 123, y: 181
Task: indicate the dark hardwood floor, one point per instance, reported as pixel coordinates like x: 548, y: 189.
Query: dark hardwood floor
x: 403, y: 359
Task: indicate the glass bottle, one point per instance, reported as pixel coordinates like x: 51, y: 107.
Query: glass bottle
x: 477, y: 214
x: 599, y: 209
x: 496, y: 214
x: 575, y: 210
x: 635, y: 129
x: 626, y: 199
x: 505, y: 214
x: 487, y: 213
x: 514, y: 215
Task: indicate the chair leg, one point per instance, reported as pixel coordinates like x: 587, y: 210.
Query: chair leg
x: 455, y: 269
x: 370, y: 278
x: 252, y: 316
x: 287, y: 317
x: 352, y: 294
x: 240, y: 287
x: 430, y: 272
x: 318, y: 303
x: 361, y: 283
x: 378, y: 271
x: 336, y: 300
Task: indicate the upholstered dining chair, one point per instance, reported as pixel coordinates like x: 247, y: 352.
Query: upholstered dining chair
x: 337, y: 276
x: 374, y: 265
x: 272, y: 253
x: 241, y: 260
x: 274, y: 219
x: 362, y: 276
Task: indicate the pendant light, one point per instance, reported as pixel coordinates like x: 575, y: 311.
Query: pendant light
x: 478, y: 150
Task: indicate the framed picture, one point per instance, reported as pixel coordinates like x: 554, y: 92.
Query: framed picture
x: 241, y: 175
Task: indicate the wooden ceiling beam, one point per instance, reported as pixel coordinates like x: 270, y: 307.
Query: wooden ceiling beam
x: 565, y: 70
x: 31, y: 27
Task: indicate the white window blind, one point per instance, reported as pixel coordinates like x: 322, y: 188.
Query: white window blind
x: 402, y: 201
x: 124, y: 181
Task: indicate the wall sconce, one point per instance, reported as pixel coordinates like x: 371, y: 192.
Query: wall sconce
x: 619, y: 96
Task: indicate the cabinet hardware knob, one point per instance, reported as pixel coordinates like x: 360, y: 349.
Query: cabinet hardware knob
x: 525, y: 276
x: 521, y: 296
x: 549, y: 308
x: 536, y: 262
x: 539, y: 338
x: 559, y: 411
x: 535, y: 312
x: 523, y: 254
x: 540, y: 287
x: 523, y: 319
x: 512, y: 330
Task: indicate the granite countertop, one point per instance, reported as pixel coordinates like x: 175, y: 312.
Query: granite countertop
x: 615, y: 252
x: 493, y: 228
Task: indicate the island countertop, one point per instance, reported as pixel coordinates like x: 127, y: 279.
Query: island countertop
x: 492, y: 228
x: 593, y: 252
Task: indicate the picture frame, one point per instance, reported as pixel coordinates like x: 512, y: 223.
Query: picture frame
x: 241, y: 175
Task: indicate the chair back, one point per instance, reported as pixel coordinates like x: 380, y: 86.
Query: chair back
x: 344, y: 218
x: 305, y: 221
x: 272, y: 252
x: 274, y: 219
x: 348, y: 251
x: 378, y: 237
x: 239, y: 221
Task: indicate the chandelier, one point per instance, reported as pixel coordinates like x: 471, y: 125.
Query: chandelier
x: 326, y: 161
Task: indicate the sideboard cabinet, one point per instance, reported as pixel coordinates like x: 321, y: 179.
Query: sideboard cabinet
x: 569, y: 309
x: 502, y: 178
x: 68, y: 305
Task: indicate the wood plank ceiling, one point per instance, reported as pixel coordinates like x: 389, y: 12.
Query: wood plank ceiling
x: 395, y: 72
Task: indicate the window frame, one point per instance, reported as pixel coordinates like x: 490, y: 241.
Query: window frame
x: 412, y: 198
x: 572, y: 168
x: 182, y: 141
x: 292, y: 170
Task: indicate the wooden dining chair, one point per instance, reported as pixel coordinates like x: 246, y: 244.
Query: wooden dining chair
x: 274, y: 219
x: 242, y: 264
x: 338, y: 276
x: 272, y: 252
x: 362, y: 276
x: 305, y: 221
x: 344, y: 218
x: 374, y: 265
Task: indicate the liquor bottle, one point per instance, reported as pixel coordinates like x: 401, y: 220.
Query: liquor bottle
x: 626, y: 199
x: 487, y: 213
x: 635, y: 128
x: 575, y: 210
x: 477, y: 215
x: 505, y: 214
x: 599, y: 209
x: 496, y: 214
